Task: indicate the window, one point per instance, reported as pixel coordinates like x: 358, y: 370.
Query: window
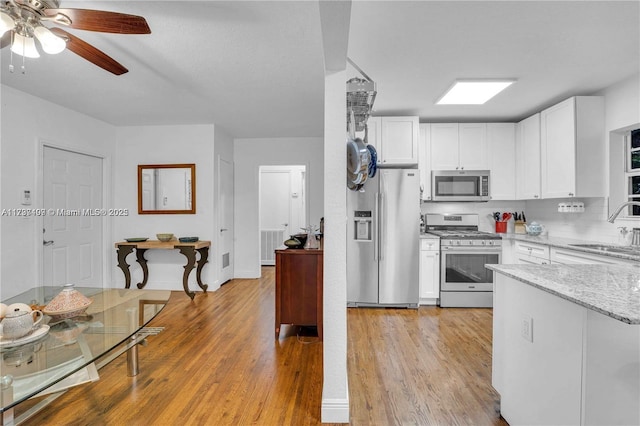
x: 633, y: 170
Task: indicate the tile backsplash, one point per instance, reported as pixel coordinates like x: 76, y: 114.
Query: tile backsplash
x: 484, y: 210
x: 590, y: 225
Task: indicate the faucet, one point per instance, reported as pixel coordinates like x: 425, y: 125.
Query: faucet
x: 635, y: 238
x: 622, y: 206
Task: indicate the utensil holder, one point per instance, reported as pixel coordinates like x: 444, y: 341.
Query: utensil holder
x: 519, y: 227
x: 501, y: 227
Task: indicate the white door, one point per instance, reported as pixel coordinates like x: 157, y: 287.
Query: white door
x: 282, y: 207
x: 72, y: 245
x: 225, y: 220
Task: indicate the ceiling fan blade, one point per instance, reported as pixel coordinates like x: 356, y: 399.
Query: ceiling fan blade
x: 101, y: 21
x: 90, y: 53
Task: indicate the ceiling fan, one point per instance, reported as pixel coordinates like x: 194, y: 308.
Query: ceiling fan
x: 21, y: 23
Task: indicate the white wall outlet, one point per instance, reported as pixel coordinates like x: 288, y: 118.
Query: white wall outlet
x: 526, y: 328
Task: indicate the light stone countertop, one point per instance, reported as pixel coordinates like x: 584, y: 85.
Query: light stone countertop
x: 612, y: 290
x: 566, y: 243
x: 427, y: 236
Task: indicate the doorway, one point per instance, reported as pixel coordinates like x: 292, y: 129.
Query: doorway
x: 72, y: 228
x: 225, y: 220
x: 283, y: 207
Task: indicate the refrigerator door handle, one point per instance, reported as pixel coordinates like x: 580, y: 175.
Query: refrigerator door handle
x: 383, y: 227
x: 375, y: 227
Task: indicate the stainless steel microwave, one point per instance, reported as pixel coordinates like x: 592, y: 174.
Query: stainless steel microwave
x: 460, y: 185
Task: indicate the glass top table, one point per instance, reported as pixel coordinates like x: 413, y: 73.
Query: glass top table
x: 63, y: 353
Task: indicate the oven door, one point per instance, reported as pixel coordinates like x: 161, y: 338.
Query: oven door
x: 462, y: 269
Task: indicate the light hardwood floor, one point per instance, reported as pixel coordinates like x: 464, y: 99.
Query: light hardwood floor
x: 217, y: 363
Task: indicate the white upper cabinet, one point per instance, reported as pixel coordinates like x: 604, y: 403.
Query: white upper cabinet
x: 424, y: 166
x: 444, y: 146
x: 472, y: 141
x: 528, y: 158
x: 573, y: 148
x: 373, y: 133
x: 458, y: 146
x: 501, y: 143
x: 395, y: 139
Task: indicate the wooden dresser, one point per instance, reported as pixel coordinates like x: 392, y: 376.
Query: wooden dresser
x: 299, y: 288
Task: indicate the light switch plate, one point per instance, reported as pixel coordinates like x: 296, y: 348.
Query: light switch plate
x: 26, y: 197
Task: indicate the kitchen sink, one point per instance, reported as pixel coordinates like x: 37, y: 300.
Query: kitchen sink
x: 610, y: 248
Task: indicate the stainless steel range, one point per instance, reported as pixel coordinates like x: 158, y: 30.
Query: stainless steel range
x: 464, y: 281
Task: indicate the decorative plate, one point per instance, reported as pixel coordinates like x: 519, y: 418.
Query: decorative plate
x: 136, y: 240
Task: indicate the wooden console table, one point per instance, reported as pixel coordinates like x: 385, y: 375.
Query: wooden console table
x: 189, y: 250
x: 299, y: 278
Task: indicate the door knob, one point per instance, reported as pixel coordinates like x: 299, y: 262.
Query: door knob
x: 47, y: 243
x: 223, y: 229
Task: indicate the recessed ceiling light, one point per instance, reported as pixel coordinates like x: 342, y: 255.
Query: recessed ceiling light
x: 473, y: 92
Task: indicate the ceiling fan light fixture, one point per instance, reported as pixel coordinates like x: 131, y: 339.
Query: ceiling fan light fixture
x: 473, y: 92
x: 6, y: 23
x: 25, y: 46
x: 50, y: 42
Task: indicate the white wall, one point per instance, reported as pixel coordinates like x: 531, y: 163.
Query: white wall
x: 335, y: 390
x: 27, y: 122
x: 164, y: 145
x: 249, y: 155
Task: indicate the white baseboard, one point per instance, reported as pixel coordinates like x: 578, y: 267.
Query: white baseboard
x: 335, y: 410
x: 246, y: 274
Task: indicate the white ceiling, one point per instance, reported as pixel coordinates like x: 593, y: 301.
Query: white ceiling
x: 256, y: 68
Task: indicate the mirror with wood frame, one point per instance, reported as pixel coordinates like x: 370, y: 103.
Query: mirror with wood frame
x: 166, y: 189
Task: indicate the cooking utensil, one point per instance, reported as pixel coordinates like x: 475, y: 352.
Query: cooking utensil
x: 523, y: 217
x: 373, y: 163
x: 358, y: 156
x: 506, y: 216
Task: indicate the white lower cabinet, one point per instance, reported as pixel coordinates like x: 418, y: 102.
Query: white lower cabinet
x: 429, y: 271
x: 574, y: 257
x: 531, y: 253
x: 558, y: 363
x: 524, y: 252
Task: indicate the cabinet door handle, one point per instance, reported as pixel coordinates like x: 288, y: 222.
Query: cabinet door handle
x: 47, y: 243
x: 535, y: 196
x: 571, y: 194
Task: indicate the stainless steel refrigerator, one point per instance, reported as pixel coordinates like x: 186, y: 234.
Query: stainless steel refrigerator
x: 383, y: 237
